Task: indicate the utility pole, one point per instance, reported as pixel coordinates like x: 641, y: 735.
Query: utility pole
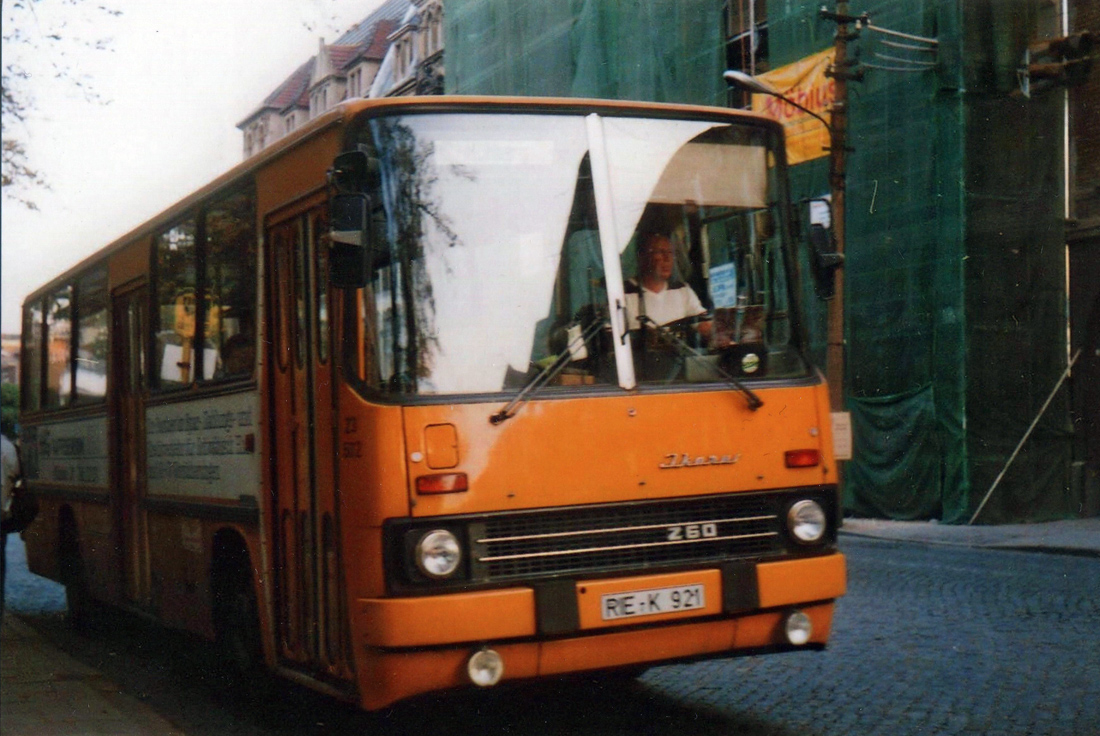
x: 841, y: 72
x: 838, y: 172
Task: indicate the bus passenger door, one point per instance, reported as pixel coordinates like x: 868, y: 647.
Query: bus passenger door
x: 309, y: 608
x: 128, y: 455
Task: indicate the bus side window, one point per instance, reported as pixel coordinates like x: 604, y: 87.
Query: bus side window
x: 176, y: 306
x: 31, y: 377
x: 230, y: 284
x: 375, y: 330
x: 91, y: 337
x: 318, y: 231
x: 59, y: 348
x: 280, y: 279
x: 386, y: 328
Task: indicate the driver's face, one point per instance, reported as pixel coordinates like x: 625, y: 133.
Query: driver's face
x: 657, y: 259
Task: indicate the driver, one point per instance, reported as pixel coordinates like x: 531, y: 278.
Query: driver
x: 655, y: 294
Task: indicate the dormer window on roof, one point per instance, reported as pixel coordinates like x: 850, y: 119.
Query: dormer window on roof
x: 398, y: 60
x: 355, y: 83
x: 318, y: 101
x: 431, y: 33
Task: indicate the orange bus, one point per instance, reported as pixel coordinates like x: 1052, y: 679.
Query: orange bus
x: 442, y: 392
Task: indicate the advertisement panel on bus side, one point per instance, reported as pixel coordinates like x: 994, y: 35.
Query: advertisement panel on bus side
x: 205, y: 449
x: 69, y: 453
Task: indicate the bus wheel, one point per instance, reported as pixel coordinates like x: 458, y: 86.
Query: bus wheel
x: 626, y: 674
x: 610, y: 678
x: 82, y: 608
x: 237, y: 624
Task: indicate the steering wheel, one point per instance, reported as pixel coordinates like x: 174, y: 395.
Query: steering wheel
x: 691, y: 321
x: 686, y: 329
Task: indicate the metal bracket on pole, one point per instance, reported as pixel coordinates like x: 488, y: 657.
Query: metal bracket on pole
x: 826, y: 14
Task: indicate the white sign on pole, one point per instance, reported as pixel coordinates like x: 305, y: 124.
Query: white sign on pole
x: 842, y: 435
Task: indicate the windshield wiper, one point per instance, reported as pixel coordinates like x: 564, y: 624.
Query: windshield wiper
x: 754, y: 401
x: 548, y: 373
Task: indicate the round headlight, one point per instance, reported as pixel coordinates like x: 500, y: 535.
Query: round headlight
x: 798, y: 628
x: 438, y: 554
x: 806, y: 520
x: 485, y: 668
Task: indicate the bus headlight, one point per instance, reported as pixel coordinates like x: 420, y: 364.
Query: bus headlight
x: 438, y: 554
x: 798, y: 628
x: 485, y: 668
x: 806, y: 521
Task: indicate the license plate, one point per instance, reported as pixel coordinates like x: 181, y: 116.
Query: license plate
x: 652, y: 602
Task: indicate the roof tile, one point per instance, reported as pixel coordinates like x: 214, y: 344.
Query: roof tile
x: 294, y: 90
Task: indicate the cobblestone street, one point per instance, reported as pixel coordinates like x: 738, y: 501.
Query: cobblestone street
x: 930, y: 640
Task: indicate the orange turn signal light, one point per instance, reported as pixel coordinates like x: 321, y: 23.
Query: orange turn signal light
x: 442, y: 483
x: 802, y: 458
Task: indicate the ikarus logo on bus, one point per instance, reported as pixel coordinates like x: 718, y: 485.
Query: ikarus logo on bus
x: 688, y: 460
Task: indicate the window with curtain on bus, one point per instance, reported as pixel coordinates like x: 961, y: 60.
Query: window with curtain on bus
x: 490, y: 263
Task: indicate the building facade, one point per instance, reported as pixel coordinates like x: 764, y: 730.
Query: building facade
x: 396, y: 50
x: 1083, y: 242
x: 9, y: 359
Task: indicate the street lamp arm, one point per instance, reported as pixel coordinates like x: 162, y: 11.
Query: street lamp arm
x: 751, y: 84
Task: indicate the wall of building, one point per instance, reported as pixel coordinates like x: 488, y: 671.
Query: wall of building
x: 1085, y: 111
x: 1083, y: 240
x: 1015, y: 274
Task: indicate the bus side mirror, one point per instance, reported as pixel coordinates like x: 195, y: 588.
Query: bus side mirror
x: 354, y: 171
x: 824, y: 260
x: 350, y: 258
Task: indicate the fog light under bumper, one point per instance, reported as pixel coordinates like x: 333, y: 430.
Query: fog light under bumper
x: 797, y: 628
x: 485, y: 668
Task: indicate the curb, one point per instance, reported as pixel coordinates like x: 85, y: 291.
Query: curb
x: 1021, y: 545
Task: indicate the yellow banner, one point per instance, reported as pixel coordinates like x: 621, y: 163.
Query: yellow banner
x: 804, y: 82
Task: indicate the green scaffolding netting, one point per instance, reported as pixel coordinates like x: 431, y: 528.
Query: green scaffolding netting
x: 954, y: 278
x: 637, y: 49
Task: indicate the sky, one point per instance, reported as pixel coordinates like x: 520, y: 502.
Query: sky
x: 176, y: 79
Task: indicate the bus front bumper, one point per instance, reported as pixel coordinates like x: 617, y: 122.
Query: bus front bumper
x: 421, y: 644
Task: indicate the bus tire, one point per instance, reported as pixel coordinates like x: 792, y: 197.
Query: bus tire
x: 626, y: 674
x: 236, y: 621
x: 81, y: 607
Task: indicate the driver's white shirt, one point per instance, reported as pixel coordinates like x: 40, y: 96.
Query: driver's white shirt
x: 667, y: 305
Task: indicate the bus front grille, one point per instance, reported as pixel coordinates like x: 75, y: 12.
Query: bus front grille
x: 628, y: 536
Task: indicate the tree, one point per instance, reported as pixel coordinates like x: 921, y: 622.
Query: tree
x: 36, y: 40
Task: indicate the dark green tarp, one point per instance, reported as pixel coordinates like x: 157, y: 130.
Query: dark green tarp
x: 635, y: 49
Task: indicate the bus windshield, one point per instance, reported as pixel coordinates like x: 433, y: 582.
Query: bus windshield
x: 619, y: 250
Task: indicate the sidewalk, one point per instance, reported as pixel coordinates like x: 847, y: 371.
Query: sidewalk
x: 1072, y: 537
x: 44, y: 692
